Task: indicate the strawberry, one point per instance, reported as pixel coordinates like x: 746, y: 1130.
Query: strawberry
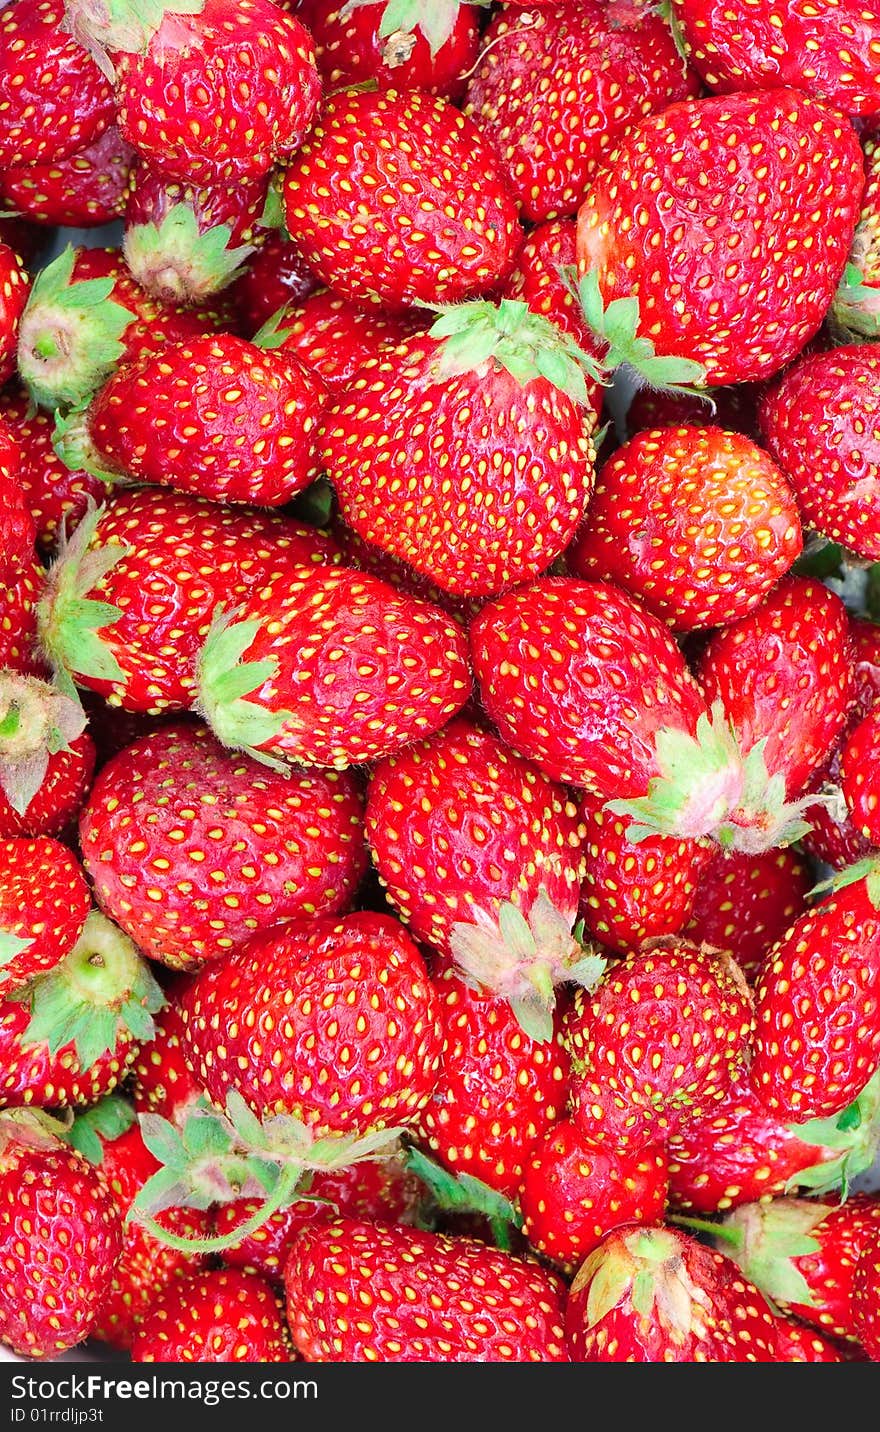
x: 571, y: 1194
x: 14, y: 290
x: 17, y: 530
x: 184, y: 243
x: 174, y: 816
x: 499, y: 1089
x: 249, y: 67
x: 332, y: 337
x: 657, y: 1295
x: 337, y: 670
x: 402, y: 44
x: 479, y: 853
x: 633, y: 892
x: 856, y: 308
x: 132, y: 595
x: 676, y: 197
x: 54, y: 99
x: 744, y: 903
x: 803, y: 1253
x: 18, y: 623
x: 860, y: 776
x: 214, y: 416
x: 55, y: 494
x: 161, y: 1080
x: 696, y: 523
x: 46, y: 757
x: 557, y: 91
x: 798, y: 1343
x: 499, y: 457
x: 332, y: 1021
x: 830, y: 54
x: 817, y: 1008
x: 60, y: 1237
x: 661, y: 1040
x: 818, y: 421
x: 83, y: 190
x: 421, y: 1297
x: 275, y: 275
x: 738, y: 1152
x: 71, y: 1035
x: 395, y: 198
x: 864, y: 1308
x: 220, y: 1315
x: 44, y: 901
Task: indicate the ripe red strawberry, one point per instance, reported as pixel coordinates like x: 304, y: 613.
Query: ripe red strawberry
x: 744, y: 903
x: 14, y: 289
x: 53, y: 97
x: 60, y: 1237
x: 193, y: 849
x: 864, y: 1307
x: 798, y: 1343
x: 332, y: 337
x: 696, y: 523
x: 817, y: 1008
x: 571, y: 1194
x: 803, y: 1253
x: 661, y: 1040
x: 55, y: 494
x: 819, y: 422
x: 783, y: 675
x: 213, y: 1316
x: 184, y: 243
x: 633, y: 892
x: 17, y: 529
x: 46, y: 757
x: 402, y: 46
x: 132, y: 596
x: 213, y: 416
x: 420, y: 1297
x: 83, y: 190
x: 657, y: 1295
x: 664, y: 222
x: 275, y: 275
x: 70, y: 1036
x: 831, y: 54
x: 395, y: 198
x: 480, y: 855
x: 499, y: 1089
x: 329, y: 668
x: 555, y: 92
x: 218, y: 94
x: 860, y: 776
x: 44, y: 901
x: 499, y: 457
x: 738, y: 1152
x: 161, y: 1080
x: 334, y: 1022
x: 18, y: 622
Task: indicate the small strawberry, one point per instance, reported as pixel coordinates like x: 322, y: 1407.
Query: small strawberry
x: 744, y: 903
x: 46, y: 757
x: 60, y: 1237
x: 663, y: 225
x: 396, y: 199
x: 402, y: 44
x: 213, y: 1316
x: 14, y: 290
x: 556, y: 91
x: 860, y: 776
x: 44, y: 902
x: 83, y: 190
x: 819, y: 422
x: 657, y: 1295
x: 420, y: 1297
x: 55, y: 495
x: 572, y: 1195
x: 329, y: 668
x: 192, y: 849
x: 161, y: 1080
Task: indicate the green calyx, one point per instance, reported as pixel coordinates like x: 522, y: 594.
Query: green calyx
x: 102, y: 987
x: 224, y: 680
x: 177, y: 262
x: 855, y: 1136
x: 218, y: 1158
x: 523, y: 958
x: 273, y: 333
x: 72, y: 442
x: 69, y: 620
x: 401, y: 19
x: 34, y: 1128
x: 127, y: 25
x: 770, y: 1238
x: 527, y: 344
x: 69, y: 338
x: 648, y: 1266
x: 616, y: 329
x: 763, y: 819
x: 855, y: 308
x: 11, y: 946
x: 867, y: 869
x: 462, y: 1193
x: 105, y: 1121
x: 36, y: 721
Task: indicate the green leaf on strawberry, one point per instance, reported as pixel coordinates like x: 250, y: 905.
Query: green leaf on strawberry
x: 181, y: 263
x: 526, y: 343
x: 224, y: 680
x: 108, y: 1119
x: 69, y: 620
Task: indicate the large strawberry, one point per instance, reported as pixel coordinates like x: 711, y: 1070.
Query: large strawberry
x: 688, y: 217
x: 218, y: 1315
x: 395, y: 198
x: 44, y: 902
x: 60, y: 1237
x: 402, y: 44
x: 555, y: 92
x: 192, y: 849
x: 330, y: 668
x: 421, y: 1297
x: 219, y: 93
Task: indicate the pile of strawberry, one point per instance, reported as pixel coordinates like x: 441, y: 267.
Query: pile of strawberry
x: 439, y: 810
